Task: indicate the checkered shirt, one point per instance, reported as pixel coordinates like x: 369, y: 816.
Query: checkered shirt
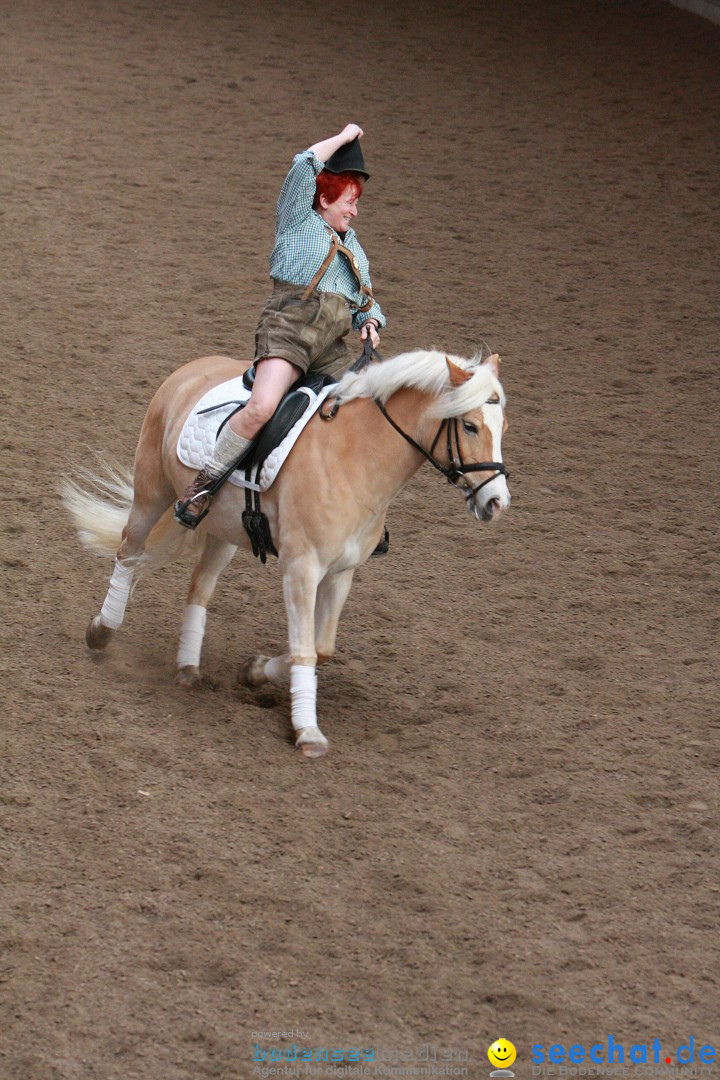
x: 302, y: 242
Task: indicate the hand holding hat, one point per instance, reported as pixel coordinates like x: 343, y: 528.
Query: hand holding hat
x: 352, y: 131
x: 348, y: 157
x: 342, y: 152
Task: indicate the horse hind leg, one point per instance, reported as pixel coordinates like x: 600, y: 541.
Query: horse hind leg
x: 102, y: 627
x: 145, y: 512
x: 215, y: 556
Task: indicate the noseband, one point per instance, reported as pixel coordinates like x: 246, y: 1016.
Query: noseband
x: 457, y: 469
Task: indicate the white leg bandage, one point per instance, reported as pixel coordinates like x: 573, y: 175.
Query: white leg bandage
x: 112, y: 612
x: 303, y: 694
x: 191, y: 636
x: 228, y: 448
x: 277, y: 670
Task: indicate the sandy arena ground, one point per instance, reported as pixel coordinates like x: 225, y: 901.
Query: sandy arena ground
x: 516, y: 830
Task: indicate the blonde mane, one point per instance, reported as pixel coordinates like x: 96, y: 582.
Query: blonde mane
x: 426, y: 371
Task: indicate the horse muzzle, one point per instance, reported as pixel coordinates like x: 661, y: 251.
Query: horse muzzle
x: 489, y: 500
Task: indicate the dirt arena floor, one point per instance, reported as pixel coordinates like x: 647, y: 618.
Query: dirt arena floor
x: 516, y: 830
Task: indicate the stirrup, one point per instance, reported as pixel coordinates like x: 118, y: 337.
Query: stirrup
x: 191, y: 521
x: 182, y: 506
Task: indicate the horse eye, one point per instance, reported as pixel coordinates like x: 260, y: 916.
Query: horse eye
x: 470, y: 428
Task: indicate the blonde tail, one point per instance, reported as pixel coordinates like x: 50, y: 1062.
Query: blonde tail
x: 99, y: 504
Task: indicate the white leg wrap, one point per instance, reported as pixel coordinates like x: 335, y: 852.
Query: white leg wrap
x: 277, y: 670
x: 112, y: 612
x: 191, y: 636
x: 303, y: 694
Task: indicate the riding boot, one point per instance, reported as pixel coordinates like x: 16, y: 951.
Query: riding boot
x: 229, y: 450
x: 195, y: 503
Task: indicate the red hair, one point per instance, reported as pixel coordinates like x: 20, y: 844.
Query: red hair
x: 332, y: 185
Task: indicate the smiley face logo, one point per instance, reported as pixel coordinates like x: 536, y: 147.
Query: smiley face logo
x: 502, y: 1053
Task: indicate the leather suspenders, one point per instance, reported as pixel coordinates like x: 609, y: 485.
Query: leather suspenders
x: 335, y: 247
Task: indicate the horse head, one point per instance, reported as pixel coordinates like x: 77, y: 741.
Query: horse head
x: 470, y: 436
x: 466, y: 397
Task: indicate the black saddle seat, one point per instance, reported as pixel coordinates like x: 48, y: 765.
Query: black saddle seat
x: 314, y: 380
x: 288, y: 412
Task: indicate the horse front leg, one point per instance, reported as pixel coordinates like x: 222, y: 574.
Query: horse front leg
x: 331, y: 596
x: 300, y: 583
x: 215, y: 556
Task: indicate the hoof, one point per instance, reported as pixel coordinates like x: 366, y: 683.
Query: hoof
x: 97, y: 636
x: 311, y: 742
x: 188, y: 677
x: 252, y: 672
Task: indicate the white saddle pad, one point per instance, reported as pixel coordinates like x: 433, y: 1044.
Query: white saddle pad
x: 197, y: 438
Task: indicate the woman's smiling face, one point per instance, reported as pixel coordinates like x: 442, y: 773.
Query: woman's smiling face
x: 340, y: 213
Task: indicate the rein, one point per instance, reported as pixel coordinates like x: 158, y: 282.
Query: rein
x: 362, y: 361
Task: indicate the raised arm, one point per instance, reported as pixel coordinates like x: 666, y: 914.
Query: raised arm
x: 325, y: 149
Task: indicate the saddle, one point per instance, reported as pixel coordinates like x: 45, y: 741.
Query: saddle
x: 288, y: 412
x: 306, y: 394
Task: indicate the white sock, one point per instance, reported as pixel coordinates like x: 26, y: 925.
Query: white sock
x: 118, y: 594
x: 191, y: 637
x: 228, y: 448
x: 303, y: 696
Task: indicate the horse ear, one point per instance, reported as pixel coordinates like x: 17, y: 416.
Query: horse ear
x: 458, y: 375
x: 493, y: 362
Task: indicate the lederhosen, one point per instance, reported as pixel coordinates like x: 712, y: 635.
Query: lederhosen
x: 307, y: 327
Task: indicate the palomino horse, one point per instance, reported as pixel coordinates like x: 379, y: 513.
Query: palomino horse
x: 326, y: 509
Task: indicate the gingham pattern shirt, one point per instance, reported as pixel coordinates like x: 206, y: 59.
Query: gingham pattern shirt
x: 302, y: 241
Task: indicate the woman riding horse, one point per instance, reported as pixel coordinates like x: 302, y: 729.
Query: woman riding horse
x: 321, y: 288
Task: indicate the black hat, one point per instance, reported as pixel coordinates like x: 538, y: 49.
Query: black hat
x: 349, y: 158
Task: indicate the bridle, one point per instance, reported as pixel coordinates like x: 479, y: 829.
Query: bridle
x: 457, y: 469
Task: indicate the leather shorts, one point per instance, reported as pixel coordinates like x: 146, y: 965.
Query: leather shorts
x: 307, y: 333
